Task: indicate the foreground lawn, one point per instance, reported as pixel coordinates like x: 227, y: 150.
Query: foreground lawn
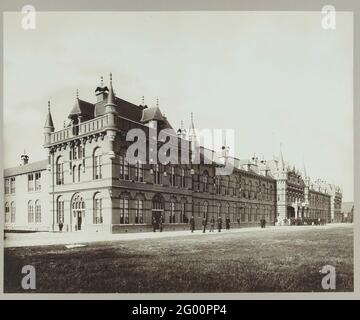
x: 256, y: 261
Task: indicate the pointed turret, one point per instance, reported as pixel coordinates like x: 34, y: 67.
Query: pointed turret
x: 49, y: 126
x: 110, y: 106
x: 281, y: 163
x: 101, y: 91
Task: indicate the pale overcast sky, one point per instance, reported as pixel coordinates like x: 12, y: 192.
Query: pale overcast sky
x: 273, y: 77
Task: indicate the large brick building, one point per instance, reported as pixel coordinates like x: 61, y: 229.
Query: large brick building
x: 88, y: 183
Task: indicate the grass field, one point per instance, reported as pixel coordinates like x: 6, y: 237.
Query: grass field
x: 256, y: 261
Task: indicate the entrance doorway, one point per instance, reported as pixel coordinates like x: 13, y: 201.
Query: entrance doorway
x: 158, y: 210
x: 290, y: 212
x: 77, y: 212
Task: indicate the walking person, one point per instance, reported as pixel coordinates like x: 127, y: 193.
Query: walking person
x: 61, y: 224
x: 204, y: 223
x: 212, y: 224
x: 192, y: 224
x: 227, y: 223
x: 154, y: 224
x: 219, y: 224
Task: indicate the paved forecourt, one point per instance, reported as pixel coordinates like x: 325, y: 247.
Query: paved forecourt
x: 56, y: 238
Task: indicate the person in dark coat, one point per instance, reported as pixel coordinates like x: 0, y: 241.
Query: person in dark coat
x: 61, y: 224
x: 227, y: 223
x: 219, y: 224
x: 192, y: 224
x: 154, y: 224
x: 161, y: 223
x: 204, y: 223
x: 212, y: 224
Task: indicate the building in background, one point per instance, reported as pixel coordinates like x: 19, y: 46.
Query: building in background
x: 87, y: 183
x: 347, y: 210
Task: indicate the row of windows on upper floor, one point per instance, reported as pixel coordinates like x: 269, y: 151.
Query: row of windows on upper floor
x: 34, y: 183
x: 179, y: 178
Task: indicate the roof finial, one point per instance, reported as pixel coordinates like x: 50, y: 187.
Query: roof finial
x: 192, y: 121
x: 143, y: 100
x: 49, y: 105
x: 77, y: 93
x: 101, y: 81
x: 182, y: 125
x: 157, y: 101
x: 64, y: 124
x: 110, y: 78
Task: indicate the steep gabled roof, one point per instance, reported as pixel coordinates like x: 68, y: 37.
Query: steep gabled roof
x: 82, y: 107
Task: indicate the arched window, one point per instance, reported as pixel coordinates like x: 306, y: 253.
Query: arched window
x: 158, y: 202
x: 7, y: 212
x: 37, y: 211
x: 60, y: 210
x: 60, y: 170
x: 12, y: 212
x: 97, y: 164
x: 124, y: 211
x: 217, y: 185
x: 98, y: 217
x: 206, y: 210
x: 30, y: 212
x: 139, y: 216
x: 218, y: 212
x: 172, y: 211
x: 182, y: 180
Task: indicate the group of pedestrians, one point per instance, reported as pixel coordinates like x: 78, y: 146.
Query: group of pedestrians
x: 219, y: 224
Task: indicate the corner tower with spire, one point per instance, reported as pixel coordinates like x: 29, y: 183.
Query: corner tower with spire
x: 281, y: 178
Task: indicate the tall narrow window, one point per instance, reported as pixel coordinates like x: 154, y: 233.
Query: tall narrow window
x: 182, y: 174
x: 172, y: 176
x: 124, y: 168
x: 97, y: 163
x: 206, y: 181
x: 79, y: 173
x: 12, y: 213
x: 37, y: 181
x: 227, y: 211
x: 172, y: 212
x: 37, y: 211
x: 217, y: 185
x: 139, y: 174
x: 139, y: 218
x: 182, y: 213
x: 30, y: 212
x: 60, y: 171
x: 157, y: 174
x: 98, y: 217
x: 30, y: 182
x: 206, y: 210
x: 7, y: 186
x: 12, y: 184
x: 218, y: 210
x: 7, y: 213
x: 60, y: 210
x: 74, y: 174
x: 124, y: 211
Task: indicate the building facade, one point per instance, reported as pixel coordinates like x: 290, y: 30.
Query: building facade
x: 89, y: 184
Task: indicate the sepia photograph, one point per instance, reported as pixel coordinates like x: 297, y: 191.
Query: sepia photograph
x: 178, y: 151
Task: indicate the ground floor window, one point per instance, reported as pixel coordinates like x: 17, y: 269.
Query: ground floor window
x: 98, y: 215
x: 124, y: 211
x: 37, y: 212
x: 12, y: 213
x: 60, y: 210
x: 172, y: 212
x: 30, y: 212
x: 7, y: 213
x: 183, y: 218
x: 139, y: 216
